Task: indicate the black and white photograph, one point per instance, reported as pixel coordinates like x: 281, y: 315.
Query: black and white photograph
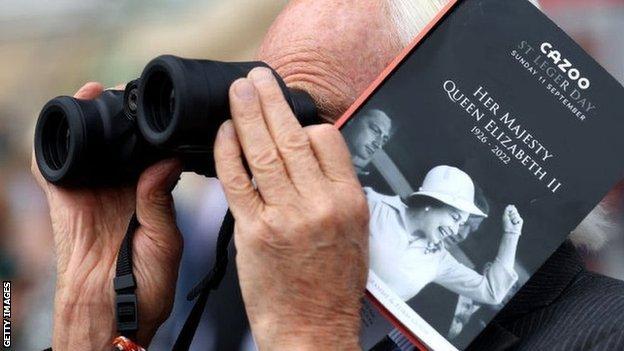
x: 420, y: 240
x: 475, y: 170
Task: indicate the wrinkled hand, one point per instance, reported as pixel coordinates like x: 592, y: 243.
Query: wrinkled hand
x: 302, y: 235
x: 88, y: 226
x: 512, y: 222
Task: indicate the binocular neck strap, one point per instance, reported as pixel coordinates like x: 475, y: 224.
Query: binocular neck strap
x: 126, y: 311
x: 210, y: 282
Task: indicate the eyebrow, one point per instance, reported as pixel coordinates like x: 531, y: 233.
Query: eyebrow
x: 381, y: 129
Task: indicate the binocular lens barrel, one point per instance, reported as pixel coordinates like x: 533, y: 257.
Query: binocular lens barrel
x: 58, y: 136
x: 174, y: 110
x: 183, y: 102
x: 160, y: 94
x: 85, y: 142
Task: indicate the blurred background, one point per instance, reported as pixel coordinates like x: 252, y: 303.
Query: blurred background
x: 50, y: 48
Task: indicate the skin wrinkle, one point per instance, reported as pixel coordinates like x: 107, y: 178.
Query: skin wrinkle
x: 305, y: 60
x: 89, y: 267
x: 72, y: 310
x: 337, y: 64
x: 303, y: 285
x: 323, y: 91
x: 99, y: 253
x: 89, y: 275
x: 321, y: 94
x: 83, y: 244
x: 104, y: 243
x: 88, y: 223
x: 356, y: 41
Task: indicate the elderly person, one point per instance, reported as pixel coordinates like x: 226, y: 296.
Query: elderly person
x: 406, y: 239
x: 333, y: 50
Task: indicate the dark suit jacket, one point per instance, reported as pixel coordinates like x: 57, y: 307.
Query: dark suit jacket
x: 562, y: 307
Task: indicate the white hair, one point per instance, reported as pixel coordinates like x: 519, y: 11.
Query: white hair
x: 412, y: 16
x: 595, y: 230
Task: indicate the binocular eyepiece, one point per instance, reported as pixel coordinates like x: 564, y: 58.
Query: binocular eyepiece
x: 173, y: 110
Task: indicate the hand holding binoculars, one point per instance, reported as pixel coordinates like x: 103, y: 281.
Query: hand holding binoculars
x: 173, y: 110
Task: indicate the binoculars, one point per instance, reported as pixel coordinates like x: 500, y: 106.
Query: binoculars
x: 173, y: 110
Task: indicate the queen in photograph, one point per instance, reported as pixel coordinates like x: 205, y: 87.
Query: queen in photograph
x: 407, y: 237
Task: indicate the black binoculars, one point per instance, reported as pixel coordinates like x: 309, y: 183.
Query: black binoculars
x: 173, y: 110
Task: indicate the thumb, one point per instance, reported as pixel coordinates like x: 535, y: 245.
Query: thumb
x: 89, y: 91
x: 155, y: 209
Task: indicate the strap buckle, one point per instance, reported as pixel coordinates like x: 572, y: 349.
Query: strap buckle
x: 124, y: 282
x: 126, y: 313
x: 126, y: 310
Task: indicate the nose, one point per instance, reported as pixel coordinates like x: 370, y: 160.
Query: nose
x: 380, y: 139
x: 455, y: 228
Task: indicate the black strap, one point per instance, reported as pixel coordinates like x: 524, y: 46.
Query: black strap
x: 125, y: 285
x: 210, y: 282
x: 126, y: 311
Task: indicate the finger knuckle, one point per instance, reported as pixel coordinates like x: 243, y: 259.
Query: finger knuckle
x: 159, y: 198
x: 354, y: 208
x: 259, y: 234
x: 321, y: 130
x: 237, y: 183
x: 325, y: 214
x: 267, y: 158
x: 277, y: 105
x: 295, y: 141
x: 224, y: 152
x: 361, y: 210
x: 273, y: 96
x: 270, y: 219
x: 268, y: 231
x: 248, y: 116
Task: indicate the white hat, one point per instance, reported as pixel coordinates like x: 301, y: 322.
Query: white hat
x: 451, y: 186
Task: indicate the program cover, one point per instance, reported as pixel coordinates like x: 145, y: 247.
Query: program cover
x: 483, y: 146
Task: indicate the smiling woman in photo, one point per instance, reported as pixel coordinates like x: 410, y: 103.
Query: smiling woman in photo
x: 407, y: 239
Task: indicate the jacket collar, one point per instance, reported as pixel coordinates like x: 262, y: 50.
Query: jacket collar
x: 542, y: 289
x: 546, y: 284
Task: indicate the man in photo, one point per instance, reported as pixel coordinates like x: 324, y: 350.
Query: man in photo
x: 365, y: 135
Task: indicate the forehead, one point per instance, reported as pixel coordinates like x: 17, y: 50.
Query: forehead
x: 302, y: 45
x: 379, y: 118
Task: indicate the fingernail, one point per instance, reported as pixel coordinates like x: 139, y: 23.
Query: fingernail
x: 259, y: 74
x: 227, y: 129
x: 244, y: 89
